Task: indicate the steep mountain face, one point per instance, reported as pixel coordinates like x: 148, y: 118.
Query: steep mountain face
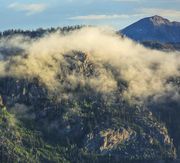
x: 154, y: 28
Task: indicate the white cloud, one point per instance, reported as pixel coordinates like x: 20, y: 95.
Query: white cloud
x: 171, y: 14
x: 30, y: 8
x: 99, y: 17
x: 167, y: 13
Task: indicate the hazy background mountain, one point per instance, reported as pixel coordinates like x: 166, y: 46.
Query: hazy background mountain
x: 154, y: 28
x: 155, y: 32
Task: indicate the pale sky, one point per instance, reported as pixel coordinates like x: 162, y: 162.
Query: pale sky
x: 32, y: 14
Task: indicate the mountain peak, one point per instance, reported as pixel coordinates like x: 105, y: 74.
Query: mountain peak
x: 158, y: 20
x: 154, y: 28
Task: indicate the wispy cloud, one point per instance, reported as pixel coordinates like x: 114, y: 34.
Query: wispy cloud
x: 168, y: 13
x: 139, y: 13
x: 29, y: 8
x: 99, y: 17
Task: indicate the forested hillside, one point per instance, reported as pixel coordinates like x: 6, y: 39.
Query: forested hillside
x: 81, y: 96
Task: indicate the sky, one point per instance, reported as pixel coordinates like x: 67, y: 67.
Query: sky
x: 32, y: 14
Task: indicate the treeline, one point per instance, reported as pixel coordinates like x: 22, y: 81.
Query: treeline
x: 162, y: 46
x: 38, y: 32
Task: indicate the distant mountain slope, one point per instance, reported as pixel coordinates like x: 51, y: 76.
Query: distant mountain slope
x: 154, y: 28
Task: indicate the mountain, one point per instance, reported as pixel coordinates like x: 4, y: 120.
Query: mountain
x: 72, y: 105
x: 154, y: 28
x: 37, y: 128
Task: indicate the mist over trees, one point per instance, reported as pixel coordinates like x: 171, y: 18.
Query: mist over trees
x: 86, y: 95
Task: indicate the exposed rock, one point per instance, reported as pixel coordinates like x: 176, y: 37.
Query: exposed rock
x: 1, y: 102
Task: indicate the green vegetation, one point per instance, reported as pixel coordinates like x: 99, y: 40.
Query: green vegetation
x: 18, y: 144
